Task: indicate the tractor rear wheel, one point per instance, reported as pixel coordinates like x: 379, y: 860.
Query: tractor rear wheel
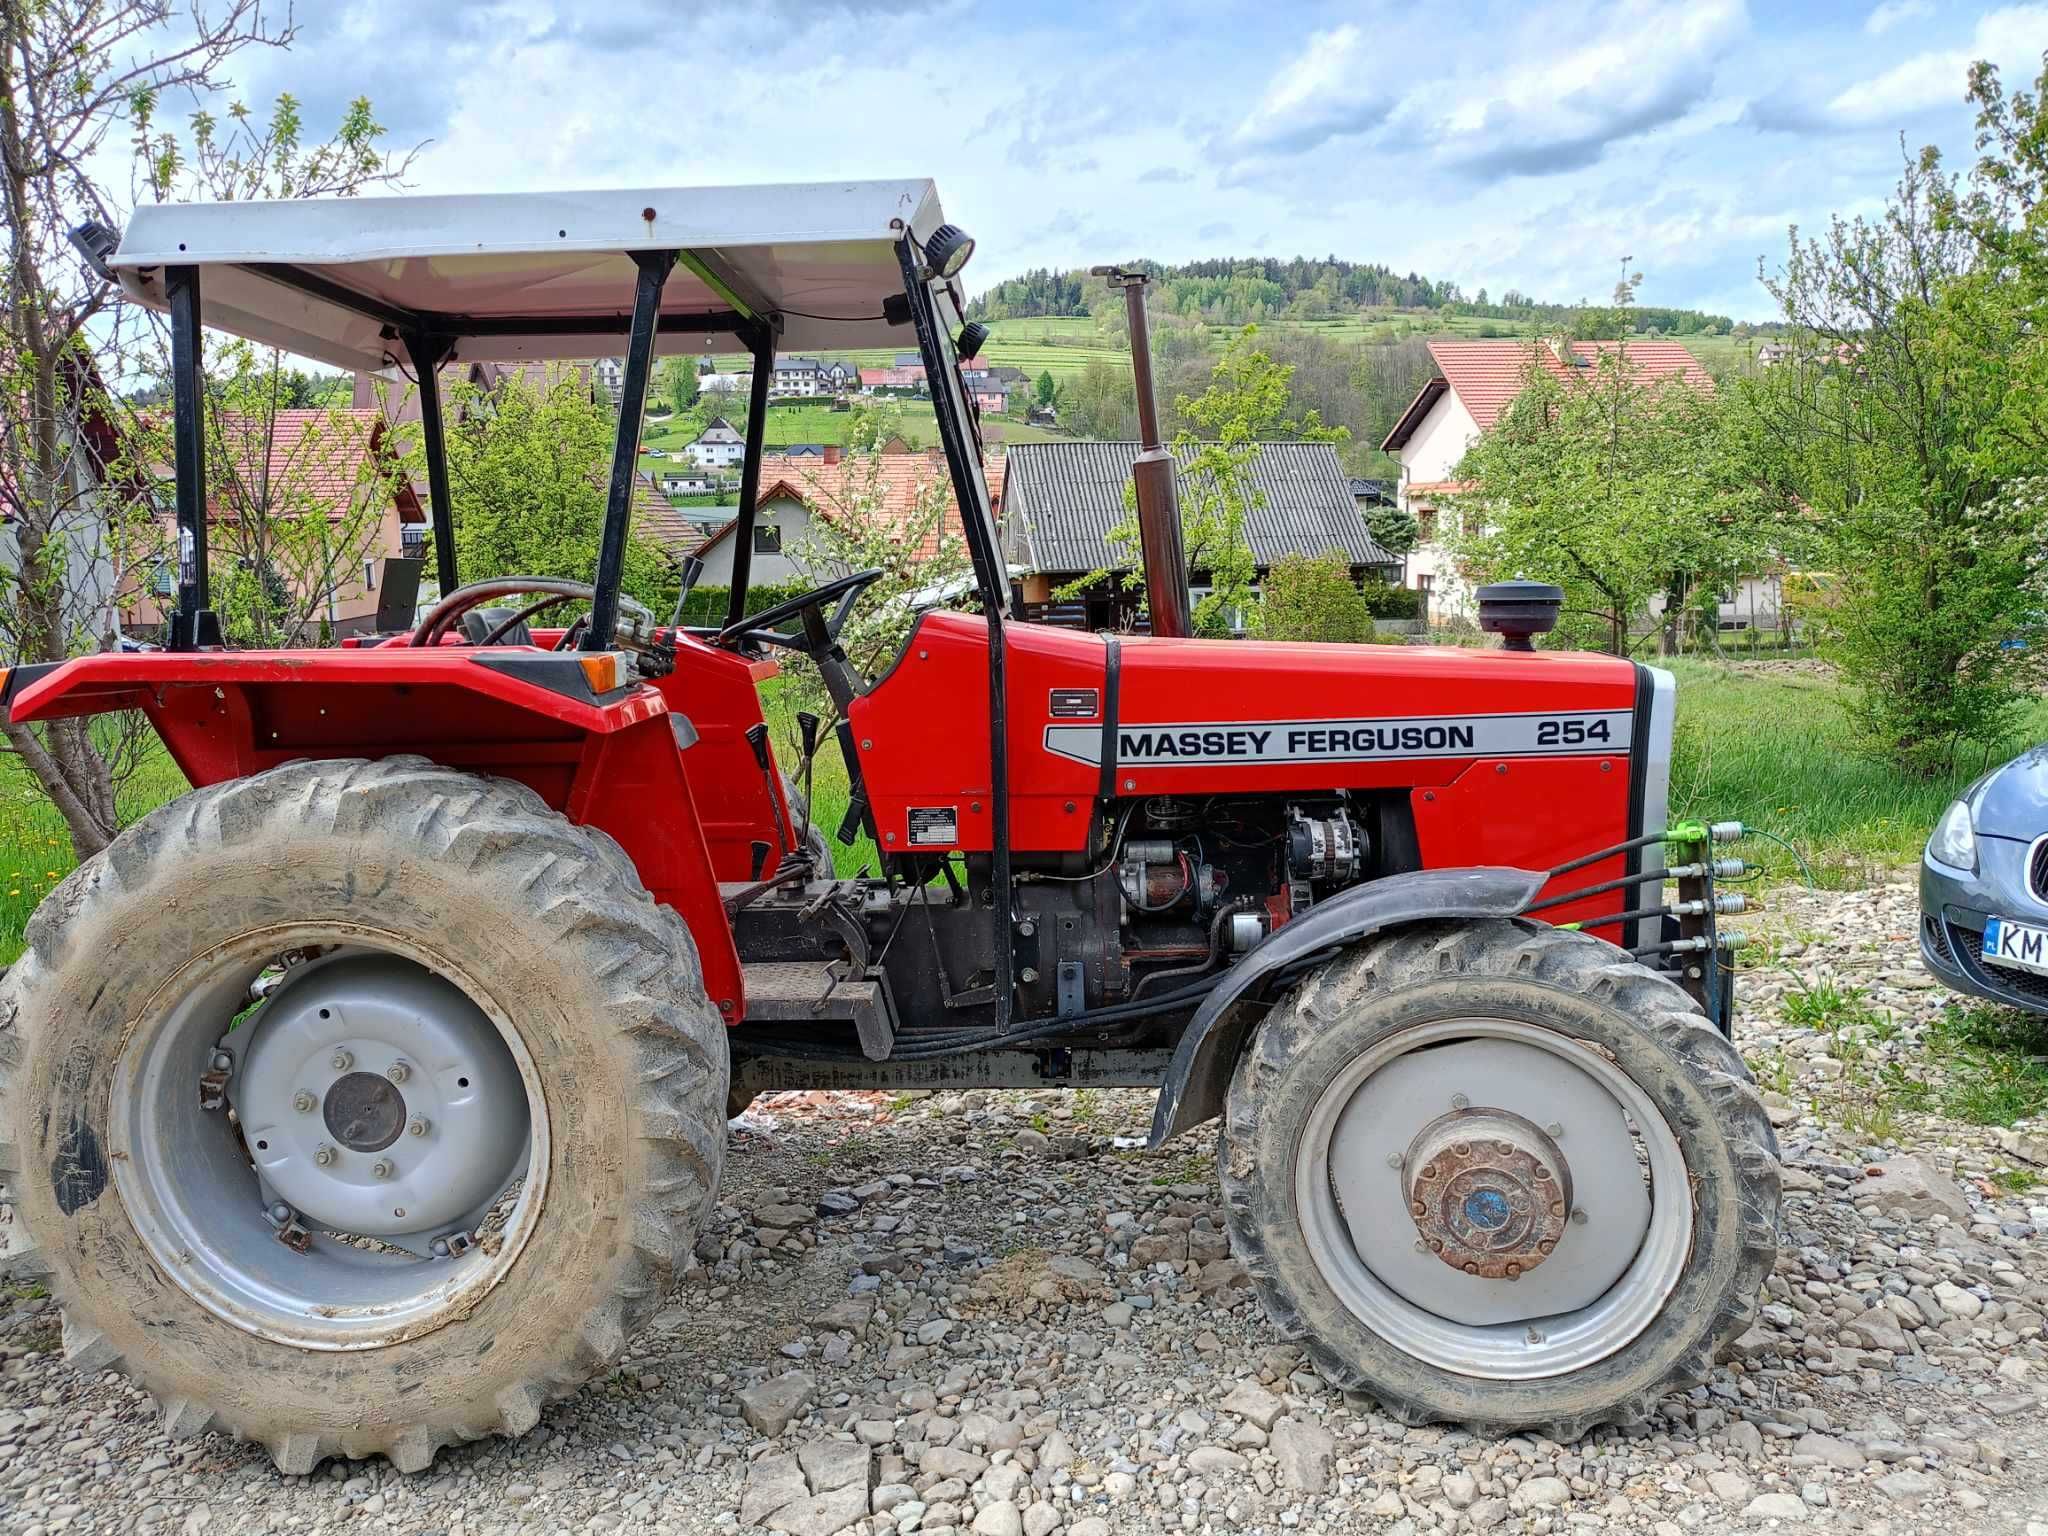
x: 358, y: 1107
x: 1499, y: 1173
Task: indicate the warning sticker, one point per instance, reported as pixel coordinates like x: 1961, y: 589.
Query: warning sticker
x: 934, y: 826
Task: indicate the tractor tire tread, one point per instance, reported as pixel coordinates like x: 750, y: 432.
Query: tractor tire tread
x: 1259, y: 1216
x: 593, y: 897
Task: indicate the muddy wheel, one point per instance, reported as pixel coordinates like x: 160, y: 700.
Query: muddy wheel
x: 1498, y: 1173
x: 358, y: 1107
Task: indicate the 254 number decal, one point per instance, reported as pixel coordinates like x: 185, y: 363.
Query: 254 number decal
x: 1570, y: 733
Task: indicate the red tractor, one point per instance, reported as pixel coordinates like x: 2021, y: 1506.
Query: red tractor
x: 370, y: 1095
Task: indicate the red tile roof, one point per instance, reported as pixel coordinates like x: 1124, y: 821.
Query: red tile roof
x: 827, y: 489
x: 318, y: 453
x: 1487, y: 375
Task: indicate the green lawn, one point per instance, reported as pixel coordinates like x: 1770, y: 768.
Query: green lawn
x: 1766, y: 744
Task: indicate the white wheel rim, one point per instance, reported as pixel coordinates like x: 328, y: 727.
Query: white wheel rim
x: 1610, y: 1276
x: 187, y: 1184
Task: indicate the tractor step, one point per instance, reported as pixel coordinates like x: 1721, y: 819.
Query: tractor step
x: 807, y: 992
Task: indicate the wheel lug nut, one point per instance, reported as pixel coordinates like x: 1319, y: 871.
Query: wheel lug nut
x: 1553, y: 1130
x: 381, y: 1168
x: 341, y: 1061
x: 1460, y: 1101
x: 1579, y: 1216
x: 398, y: 1071
x: 418, y: 1126
x: 303, y: 1102
x: 1394, y: 1159
x: 280, y: 1213
x: 323, y: 1154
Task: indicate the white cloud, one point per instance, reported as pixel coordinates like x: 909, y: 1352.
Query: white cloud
x: 1324, y: 92
x: 2011, y: 38
x: 1645, y: 65
x: 1893, y: 13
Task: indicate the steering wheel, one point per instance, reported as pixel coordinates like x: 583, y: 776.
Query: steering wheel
x: 819, y: 632
x: 452, y: 607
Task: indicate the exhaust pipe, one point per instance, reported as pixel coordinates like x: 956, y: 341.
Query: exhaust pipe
x: 1159, y: 530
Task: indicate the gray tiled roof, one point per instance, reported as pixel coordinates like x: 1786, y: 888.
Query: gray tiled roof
x: 1068, y: 495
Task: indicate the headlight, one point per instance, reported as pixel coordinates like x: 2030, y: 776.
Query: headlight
x: 1954, y: 842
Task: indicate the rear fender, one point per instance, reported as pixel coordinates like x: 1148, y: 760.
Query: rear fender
x: 1199, y: 1074
x: 616, y: 760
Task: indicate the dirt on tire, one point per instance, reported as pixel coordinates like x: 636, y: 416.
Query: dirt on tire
x: 1506, y: 968
x: 546, y: 919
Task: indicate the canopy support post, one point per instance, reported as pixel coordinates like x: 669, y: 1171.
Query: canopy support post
x: 654, y: 267
x: 429, y: 352
x: 192, y: 624
x: 760, y: 339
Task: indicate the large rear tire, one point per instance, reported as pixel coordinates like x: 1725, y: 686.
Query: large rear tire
x: 1498, y: 1173
x: 435, y: 953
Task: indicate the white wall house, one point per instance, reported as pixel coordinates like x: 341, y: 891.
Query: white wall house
x: 797, y: 376
x: 1475, y: 382
x: 781, y: 525
x: 719, y: 446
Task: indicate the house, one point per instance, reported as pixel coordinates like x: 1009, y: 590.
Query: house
x: 1062, y: 499
x: 693, y: 482
x: 1373, y: 493
x: 798, y: 376
x: 838, y: 375
x: 795, y: 491
x: 340, y: 462
x: 895, y: 381
x: 610, y: 373
x: 1473, y: 385
x: 719, y: 446
x: 911, y: 360
x: 1042, y: 416
x: 992, y: 397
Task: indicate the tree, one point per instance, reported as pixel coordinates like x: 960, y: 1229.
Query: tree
x: 1901, y: 427
x: 1393, y: 528
x: 1047, y: 388
x: 854, y: 526
x: 1610, y: 484
x: 1315, y: 599
x: 528, y: 467
x: 74, y: 74
x: 679, y: 383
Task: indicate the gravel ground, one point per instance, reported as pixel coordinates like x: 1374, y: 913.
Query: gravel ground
x: 982, y: 1311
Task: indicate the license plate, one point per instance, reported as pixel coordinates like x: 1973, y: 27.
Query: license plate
x: 2020, y: 946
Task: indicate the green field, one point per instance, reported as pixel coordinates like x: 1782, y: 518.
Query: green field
x: 1767, y: 744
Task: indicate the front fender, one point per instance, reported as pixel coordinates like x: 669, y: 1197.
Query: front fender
x: 1207, y: 1054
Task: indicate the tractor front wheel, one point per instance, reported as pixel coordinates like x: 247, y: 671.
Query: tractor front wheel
x: 358, y: 1107
x: 1499, y: 1173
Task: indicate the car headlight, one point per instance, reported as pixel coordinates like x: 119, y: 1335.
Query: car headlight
x: 1954, y: 842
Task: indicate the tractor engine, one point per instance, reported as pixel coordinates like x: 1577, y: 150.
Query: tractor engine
x: 1186, y: 886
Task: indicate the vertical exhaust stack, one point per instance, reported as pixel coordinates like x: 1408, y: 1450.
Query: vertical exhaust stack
x: 1159, y: 530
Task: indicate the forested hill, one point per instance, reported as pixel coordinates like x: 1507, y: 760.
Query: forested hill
x: 1250, y: 291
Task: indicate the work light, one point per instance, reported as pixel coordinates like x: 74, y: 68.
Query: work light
x: 948, y: 249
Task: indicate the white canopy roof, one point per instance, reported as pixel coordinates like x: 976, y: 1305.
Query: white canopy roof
x: 822, y: 249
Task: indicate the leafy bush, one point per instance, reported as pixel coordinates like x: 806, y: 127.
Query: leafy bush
x: 1384, y: 600
x: 707, y: 604
x: 1314, y: 600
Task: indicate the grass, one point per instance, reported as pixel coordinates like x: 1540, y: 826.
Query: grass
x: 1996, y: 1062
x: 1775, y: 749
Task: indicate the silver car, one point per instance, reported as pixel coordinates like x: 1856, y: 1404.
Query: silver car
x: 1984, y: 887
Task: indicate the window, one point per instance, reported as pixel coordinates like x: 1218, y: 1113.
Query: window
x: 1425, y: 524
x: 369, y: 575
x: 767, y: 539
x: 1424, y: 582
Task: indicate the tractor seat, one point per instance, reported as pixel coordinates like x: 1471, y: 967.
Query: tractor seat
x: 478, y: 623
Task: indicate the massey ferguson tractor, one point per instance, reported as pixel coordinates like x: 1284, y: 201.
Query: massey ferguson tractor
x: 369, y: 1096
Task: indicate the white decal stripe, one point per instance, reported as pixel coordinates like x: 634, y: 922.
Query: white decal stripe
x: 1211, y: 743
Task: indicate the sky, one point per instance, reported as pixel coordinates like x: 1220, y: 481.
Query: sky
x: 1532, y: 145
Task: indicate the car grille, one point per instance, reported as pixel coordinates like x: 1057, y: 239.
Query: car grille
x: 2037, y: 869
x: 1999, y: 978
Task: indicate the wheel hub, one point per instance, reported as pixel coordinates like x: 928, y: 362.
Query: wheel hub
x: 375, y: 1098
x: 1489, y: 1192
x: 364, y: 1112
